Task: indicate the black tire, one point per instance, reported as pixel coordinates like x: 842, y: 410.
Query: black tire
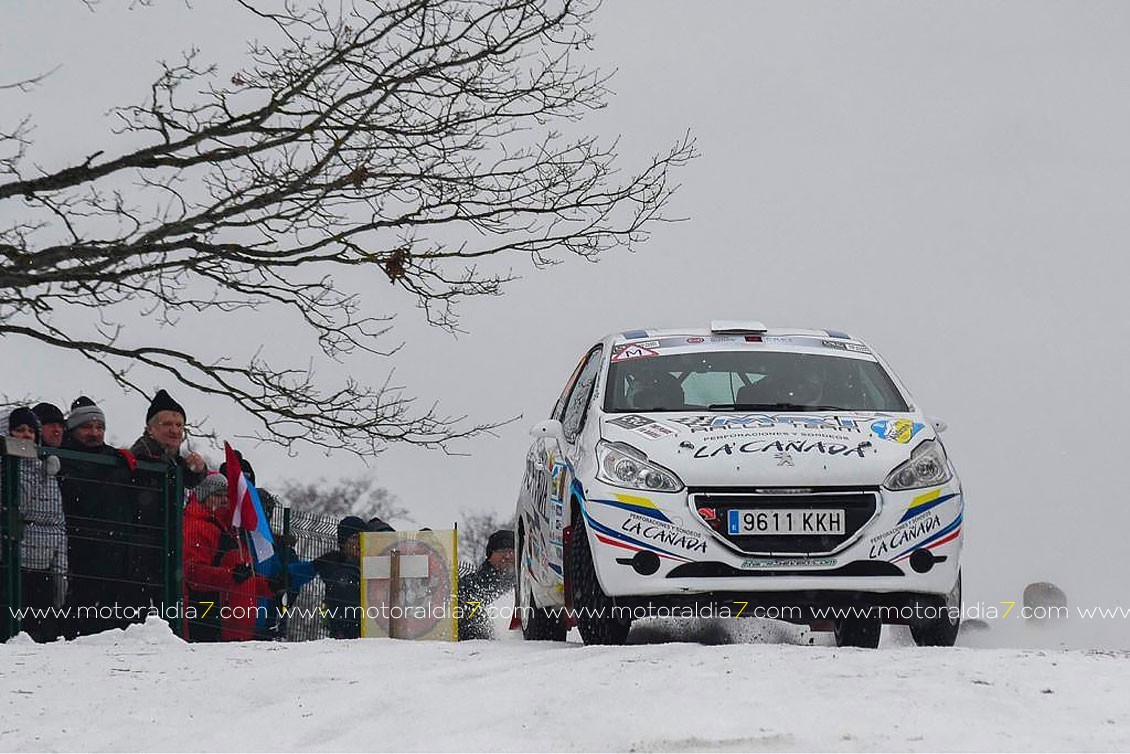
x: 594, y: 609
x: 542, y: 625
x: 939, y: 631
x: 858, y: 631
x: 538, y: 624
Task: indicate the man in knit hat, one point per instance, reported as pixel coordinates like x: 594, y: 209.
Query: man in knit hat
x: 340, y: 571
x: 85, y: 426
x: 99, y: 505
x: 160, y: 442
x: 481, y: 587
x: 162, y: 437
x: 52, y: 423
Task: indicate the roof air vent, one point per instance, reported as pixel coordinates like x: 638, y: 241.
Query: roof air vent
x: 737, y: 326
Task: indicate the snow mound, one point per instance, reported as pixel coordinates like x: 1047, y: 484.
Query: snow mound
x: 154, y: 632
x: 20, y: 640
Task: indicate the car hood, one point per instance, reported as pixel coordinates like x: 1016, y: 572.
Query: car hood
x: 785, y: 449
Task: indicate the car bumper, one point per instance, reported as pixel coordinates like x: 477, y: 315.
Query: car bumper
x: 648, y: 544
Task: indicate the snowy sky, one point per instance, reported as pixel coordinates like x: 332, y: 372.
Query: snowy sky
x: 945, y: 180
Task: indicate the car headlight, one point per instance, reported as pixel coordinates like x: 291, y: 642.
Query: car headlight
x: 927, y: 467
x: 624, y: 466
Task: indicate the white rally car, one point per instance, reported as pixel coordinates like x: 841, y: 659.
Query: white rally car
x: 739, y: 470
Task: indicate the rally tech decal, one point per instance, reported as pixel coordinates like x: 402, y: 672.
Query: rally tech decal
x: 635, y: 504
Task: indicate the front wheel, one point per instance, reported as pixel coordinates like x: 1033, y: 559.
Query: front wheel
x: 858, y: 630
x: 597, y: 619
x: 936, y: 623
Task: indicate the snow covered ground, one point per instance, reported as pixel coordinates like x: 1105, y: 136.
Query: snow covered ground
x: 740, y: 686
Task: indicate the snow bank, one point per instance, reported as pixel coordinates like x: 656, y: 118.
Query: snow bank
x: 142, y: 689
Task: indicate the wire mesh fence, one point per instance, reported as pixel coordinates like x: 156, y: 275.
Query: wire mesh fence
x: 93, y: 540
x: 90, y: 541
x: 308, y: 536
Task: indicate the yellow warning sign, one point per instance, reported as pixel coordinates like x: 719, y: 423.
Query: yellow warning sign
x: 409, y: 583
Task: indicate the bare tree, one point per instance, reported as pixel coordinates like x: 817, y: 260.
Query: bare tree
x: 351, y: 496
x: 418, y: 139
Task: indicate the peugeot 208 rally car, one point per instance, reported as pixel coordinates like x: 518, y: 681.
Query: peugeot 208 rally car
x: 738, y: 470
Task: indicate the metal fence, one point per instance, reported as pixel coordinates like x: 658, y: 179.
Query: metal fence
x: 87, y: 540
x: 310, y: 535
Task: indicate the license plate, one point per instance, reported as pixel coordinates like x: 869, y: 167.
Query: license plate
x: 786, y: 521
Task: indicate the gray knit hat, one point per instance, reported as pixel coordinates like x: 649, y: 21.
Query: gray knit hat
x: 83, y: 410
x: 212, y: 484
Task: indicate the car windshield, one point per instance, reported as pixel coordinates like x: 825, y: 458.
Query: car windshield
x: 752, y: 380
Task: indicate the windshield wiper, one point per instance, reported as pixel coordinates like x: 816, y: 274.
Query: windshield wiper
x: 772, y: 407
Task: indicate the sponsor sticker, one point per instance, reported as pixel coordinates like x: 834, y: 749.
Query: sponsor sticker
x: 641, y: 425
x: 656, y: 431
x: 751, y: 563
x: 904, y: 534
x: 712, y: 422
x: 897, y: 430
x: 841, y: 345
x: 635, y: 351
x: 664, y: 533
x: 631, y: 421
x: 710, y: 450
x: 557, y: 483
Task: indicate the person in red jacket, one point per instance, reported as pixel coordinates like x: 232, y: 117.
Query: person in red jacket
x: 220, y: 584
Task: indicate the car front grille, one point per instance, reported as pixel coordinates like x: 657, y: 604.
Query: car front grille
x: 712, y: 506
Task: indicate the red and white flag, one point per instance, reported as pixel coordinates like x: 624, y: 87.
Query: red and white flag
x: 247, y: 511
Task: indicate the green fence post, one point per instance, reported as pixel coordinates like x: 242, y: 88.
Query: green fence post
x: 284, y: 558
x: 176, y: 512
x: 174, y: 566
x: 11, y: 528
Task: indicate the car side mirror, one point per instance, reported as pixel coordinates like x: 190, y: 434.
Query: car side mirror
x: 549, y: 429
x: 939, y: 425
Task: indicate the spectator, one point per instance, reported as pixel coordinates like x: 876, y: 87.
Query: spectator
x: 378, y: 524
x: 43, y: 548
x: 162, y: 437
x: 272, y: 618
x: 481, y: 587
x: 23, y: 424
x: 51, y: 423
x: 99, y: 508
x: 160, y: 442
x: 340, y: 570
x: 220, y: 583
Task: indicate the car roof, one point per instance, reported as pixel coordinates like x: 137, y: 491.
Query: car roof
x: 755, y: 328
x: 731, y: 331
